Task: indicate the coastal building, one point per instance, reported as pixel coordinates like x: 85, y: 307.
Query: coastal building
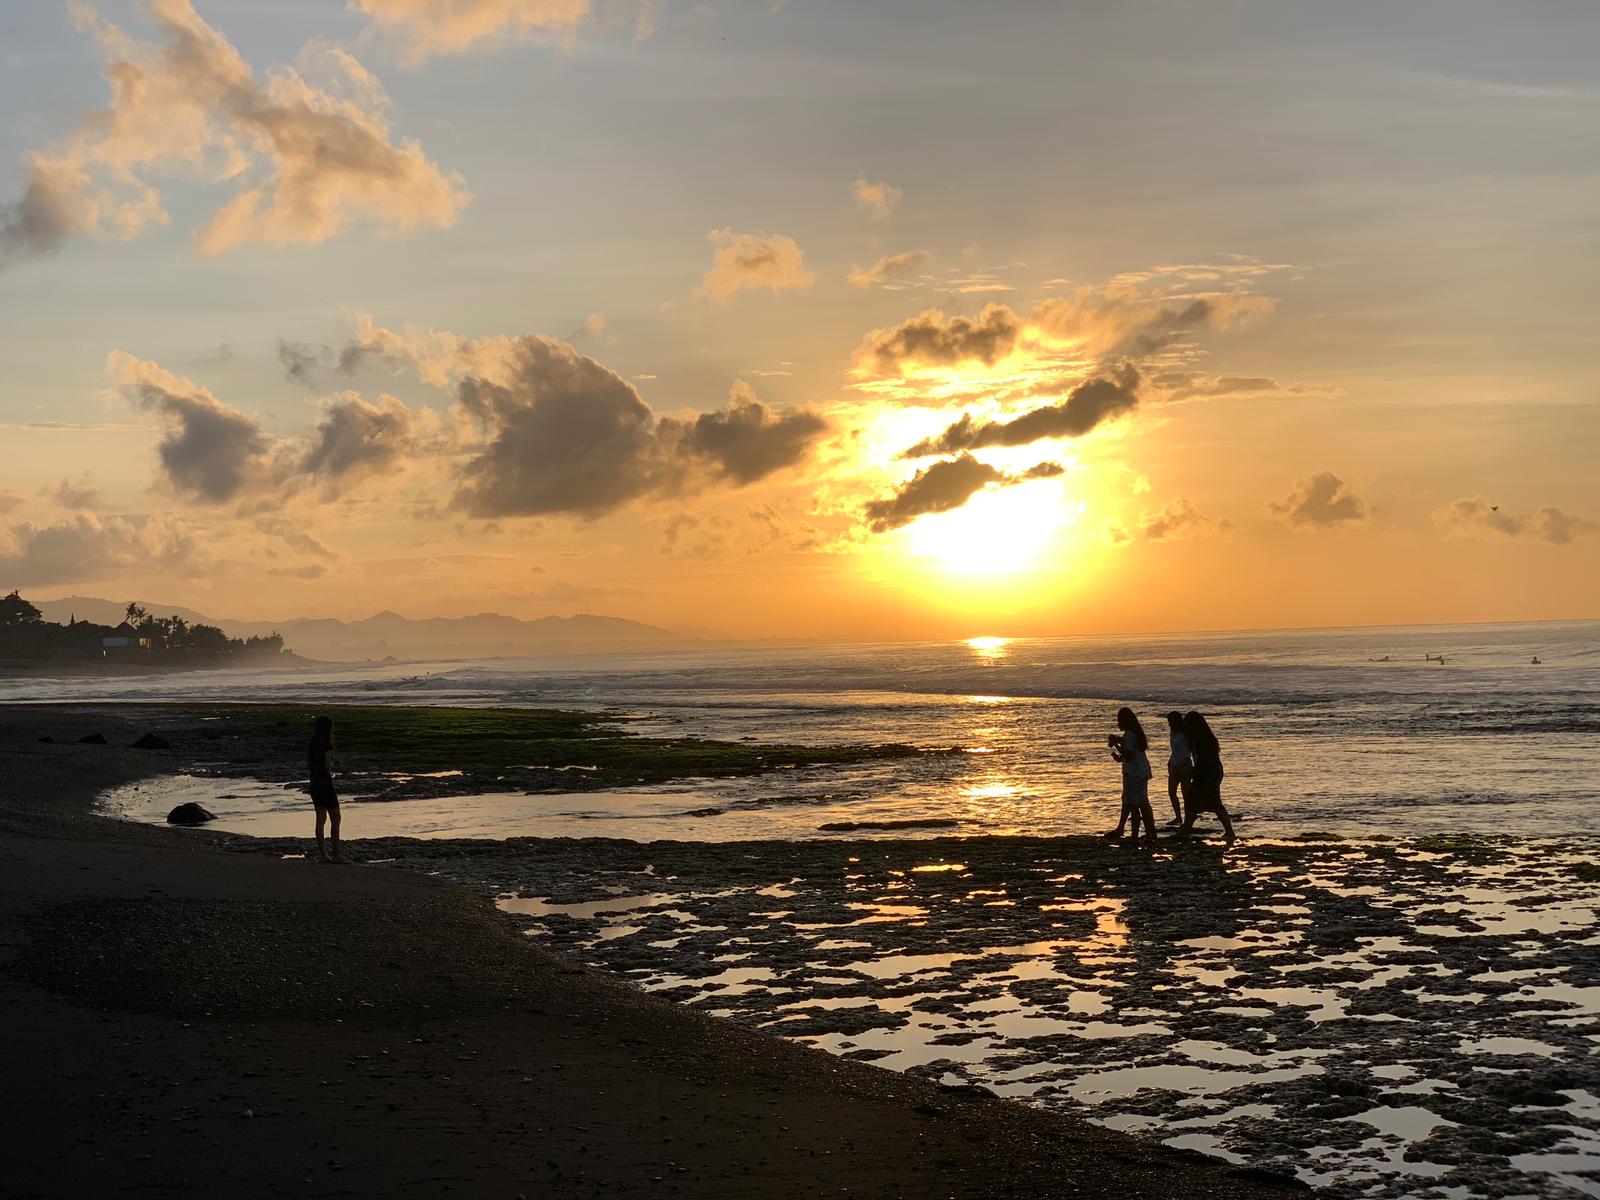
x: 124, y: 639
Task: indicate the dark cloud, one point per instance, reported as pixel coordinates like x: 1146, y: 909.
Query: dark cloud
x: 300, y: 359
x: 212, y: 452
x: 216, y: 454
x: 1475, y: 516
x: 747, y: 441
x: 929, y: 339
x: 356, y: 438
x: 1085, y: 407
x: 43, y: 218
x: 565, y: 434
x: 943, y: 486
x: 1321, y: 501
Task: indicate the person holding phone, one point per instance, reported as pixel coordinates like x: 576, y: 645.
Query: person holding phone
x: 1131, y: 748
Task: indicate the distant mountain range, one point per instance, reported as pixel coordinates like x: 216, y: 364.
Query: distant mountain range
x: 486, y: 635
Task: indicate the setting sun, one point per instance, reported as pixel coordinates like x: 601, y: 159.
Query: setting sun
x: 996, y: 533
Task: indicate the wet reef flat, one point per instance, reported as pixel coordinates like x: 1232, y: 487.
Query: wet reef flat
x: 1386, y: 1019
x: 390, y: 752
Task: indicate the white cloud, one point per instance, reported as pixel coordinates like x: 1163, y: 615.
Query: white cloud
x: 306, y: 160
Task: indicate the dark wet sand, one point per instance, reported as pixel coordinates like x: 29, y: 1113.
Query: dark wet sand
x: 184, y: 1021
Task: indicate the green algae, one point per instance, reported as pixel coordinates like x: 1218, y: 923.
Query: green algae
x: 411, y: 752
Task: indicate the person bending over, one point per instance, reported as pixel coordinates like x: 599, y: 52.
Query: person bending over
x: 1130, y: 749
x: 319, y: 762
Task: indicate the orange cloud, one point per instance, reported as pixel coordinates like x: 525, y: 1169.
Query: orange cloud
x: 890, y: 271
x: 880, y: 199
x: 425, y: 28
x: 746, y: 261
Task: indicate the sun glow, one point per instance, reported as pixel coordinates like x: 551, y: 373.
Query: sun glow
x: 989, y: 649
x: 1000, y: 532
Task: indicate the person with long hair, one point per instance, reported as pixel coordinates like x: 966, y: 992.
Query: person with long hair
x: 1130, y: 748
x: 1205, y: 784
x: 319, y: 764
x: 1180, y: 766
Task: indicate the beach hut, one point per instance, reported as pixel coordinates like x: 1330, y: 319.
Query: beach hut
x: 124, y: 639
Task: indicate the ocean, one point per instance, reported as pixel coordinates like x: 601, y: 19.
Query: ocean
x: 1345, y: 995
x: 1358, y: 732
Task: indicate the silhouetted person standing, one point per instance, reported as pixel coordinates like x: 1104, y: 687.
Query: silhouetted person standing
x: 1205, y: 784
x: 319, y: 763
x: 1130, y: 748
x: 1180, y: 767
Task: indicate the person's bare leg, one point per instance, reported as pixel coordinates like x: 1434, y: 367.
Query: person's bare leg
x: 322, y: 849
x: 1227, y: 825
x: 333, y: 816
x: 1149, y: 823
x: 1172, y: 794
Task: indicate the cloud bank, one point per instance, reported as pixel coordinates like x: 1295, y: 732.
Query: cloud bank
x: 90, y: 547
x: 1475, y: 516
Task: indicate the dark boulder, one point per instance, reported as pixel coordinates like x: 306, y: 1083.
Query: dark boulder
x: 47, y: 738
x: 190, y: 814
x: 93, y: 739
x: 152, y: 741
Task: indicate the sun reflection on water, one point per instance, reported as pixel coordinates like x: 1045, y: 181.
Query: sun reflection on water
x: 989, y: 649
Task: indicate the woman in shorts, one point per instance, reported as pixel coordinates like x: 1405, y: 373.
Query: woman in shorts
x: 1130, y: 748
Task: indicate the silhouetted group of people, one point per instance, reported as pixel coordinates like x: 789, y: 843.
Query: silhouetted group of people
x: 1194, y: 778
x: 1194, y: 774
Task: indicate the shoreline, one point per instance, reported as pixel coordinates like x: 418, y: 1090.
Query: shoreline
x: 186, y: 986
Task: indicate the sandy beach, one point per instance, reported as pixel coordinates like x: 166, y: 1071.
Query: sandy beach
x: 188, y: 1020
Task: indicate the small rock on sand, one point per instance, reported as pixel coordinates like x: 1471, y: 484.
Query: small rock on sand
x: 152, y: 741
x: 93, y: 739
x: 190, y: 814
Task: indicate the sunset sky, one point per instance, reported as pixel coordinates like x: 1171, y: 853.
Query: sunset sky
x: 802, y: 317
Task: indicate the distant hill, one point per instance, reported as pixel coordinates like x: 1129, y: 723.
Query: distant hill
x: 109, y: 612
x: 486, y: 635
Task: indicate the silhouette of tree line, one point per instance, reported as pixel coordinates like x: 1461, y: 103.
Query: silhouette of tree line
x: 24, y: 633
